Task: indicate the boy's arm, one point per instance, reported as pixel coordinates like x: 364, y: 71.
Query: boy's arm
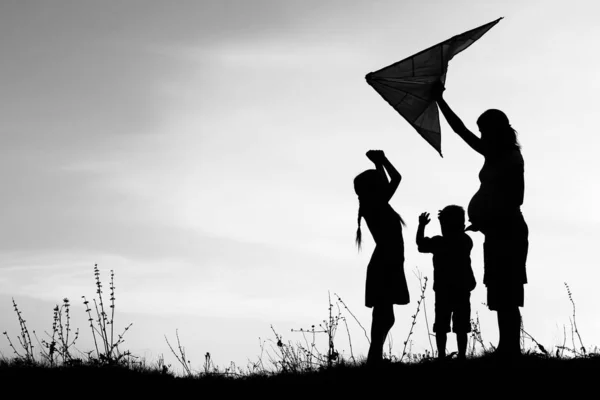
x: 421, y: 239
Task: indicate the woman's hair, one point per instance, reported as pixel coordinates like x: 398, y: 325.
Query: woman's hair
x: 496, y: 123
x: 370, y: 186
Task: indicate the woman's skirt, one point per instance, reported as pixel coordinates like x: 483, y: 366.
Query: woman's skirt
x: 505, y: 256
x: 386, y: 283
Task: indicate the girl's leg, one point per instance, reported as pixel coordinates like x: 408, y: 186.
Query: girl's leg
x: 383, y: 320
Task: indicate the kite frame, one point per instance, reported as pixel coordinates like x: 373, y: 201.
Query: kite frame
x: 369, y: 78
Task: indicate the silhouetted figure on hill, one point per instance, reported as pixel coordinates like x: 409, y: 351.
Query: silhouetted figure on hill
x: 495, y: 211
x: 386, y: 283
x: 453, y: 278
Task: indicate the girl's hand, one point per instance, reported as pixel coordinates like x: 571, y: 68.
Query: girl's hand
x: 424, y: 219
x: 376, y: 156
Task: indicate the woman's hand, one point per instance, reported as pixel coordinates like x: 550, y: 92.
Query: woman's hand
x: 455, y: 123
x: 437, y: 90
x: 376, y: 156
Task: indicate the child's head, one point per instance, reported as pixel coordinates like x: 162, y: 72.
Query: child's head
x: 452, y: 220
x: 370, y: 186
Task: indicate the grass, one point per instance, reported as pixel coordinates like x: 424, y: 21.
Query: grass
x: 281, y: 363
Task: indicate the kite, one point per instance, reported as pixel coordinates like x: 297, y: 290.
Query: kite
x: 407, y: 84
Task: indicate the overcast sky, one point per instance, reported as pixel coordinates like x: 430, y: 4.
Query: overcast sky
x: 205, y: 152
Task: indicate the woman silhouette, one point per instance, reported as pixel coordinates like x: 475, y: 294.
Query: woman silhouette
x: 495, y: 211
x: 386, y: 283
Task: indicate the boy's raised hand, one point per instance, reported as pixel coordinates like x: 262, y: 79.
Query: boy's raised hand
x: 424, y: 218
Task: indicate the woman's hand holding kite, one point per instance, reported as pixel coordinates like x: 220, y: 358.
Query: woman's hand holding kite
x: 408, y: 85
x: 437, y: 90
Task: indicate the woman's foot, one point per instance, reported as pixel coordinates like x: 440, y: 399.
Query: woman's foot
x: 506, y: 355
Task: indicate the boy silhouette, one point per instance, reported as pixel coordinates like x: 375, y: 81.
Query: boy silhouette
x: 453, y: 278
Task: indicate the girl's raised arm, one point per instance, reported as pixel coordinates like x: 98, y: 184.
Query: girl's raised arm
x: 383, y: 165
x: 395, y: 177
x: 381, y: 170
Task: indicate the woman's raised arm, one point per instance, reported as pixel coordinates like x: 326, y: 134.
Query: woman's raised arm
x: 455, y: 123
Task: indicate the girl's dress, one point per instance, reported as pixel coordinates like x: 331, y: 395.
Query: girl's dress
x: 386, y: 283
x: 496, y: 211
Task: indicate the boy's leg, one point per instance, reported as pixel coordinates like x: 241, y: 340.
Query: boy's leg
x: 440, y: 341
x: 461, y: 322
x: 441, y: 325
x: 461, y: 341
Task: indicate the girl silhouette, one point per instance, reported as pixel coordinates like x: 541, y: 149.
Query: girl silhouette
x: 495, y: 211
x: 386, y: 283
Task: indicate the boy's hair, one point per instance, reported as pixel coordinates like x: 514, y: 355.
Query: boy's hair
x: 452, y: 215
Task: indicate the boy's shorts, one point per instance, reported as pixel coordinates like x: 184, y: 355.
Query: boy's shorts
x: 455, y: 306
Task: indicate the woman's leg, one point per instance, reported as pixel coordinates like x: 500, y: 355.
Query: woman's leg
x: 383, y: 320
x: 509, y: 324
x: 515, y: 331
x: 505, y: 275
x: 501, y: 330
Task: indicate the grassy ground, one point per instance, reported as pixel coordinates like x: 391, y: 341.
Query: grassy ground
x: 295, y: 370
x: 535, y: 373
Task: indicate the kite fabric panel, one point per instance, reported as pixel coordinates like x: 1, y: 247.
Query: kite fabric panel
x: 406, y: 85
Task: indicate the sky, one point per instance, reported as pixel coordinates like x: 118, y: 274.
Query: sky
x: 205, y: 151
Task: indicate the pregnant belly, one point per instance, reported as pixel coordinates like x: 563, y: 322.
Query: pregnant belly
x: 487, y: 209
x: 477, y: 209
